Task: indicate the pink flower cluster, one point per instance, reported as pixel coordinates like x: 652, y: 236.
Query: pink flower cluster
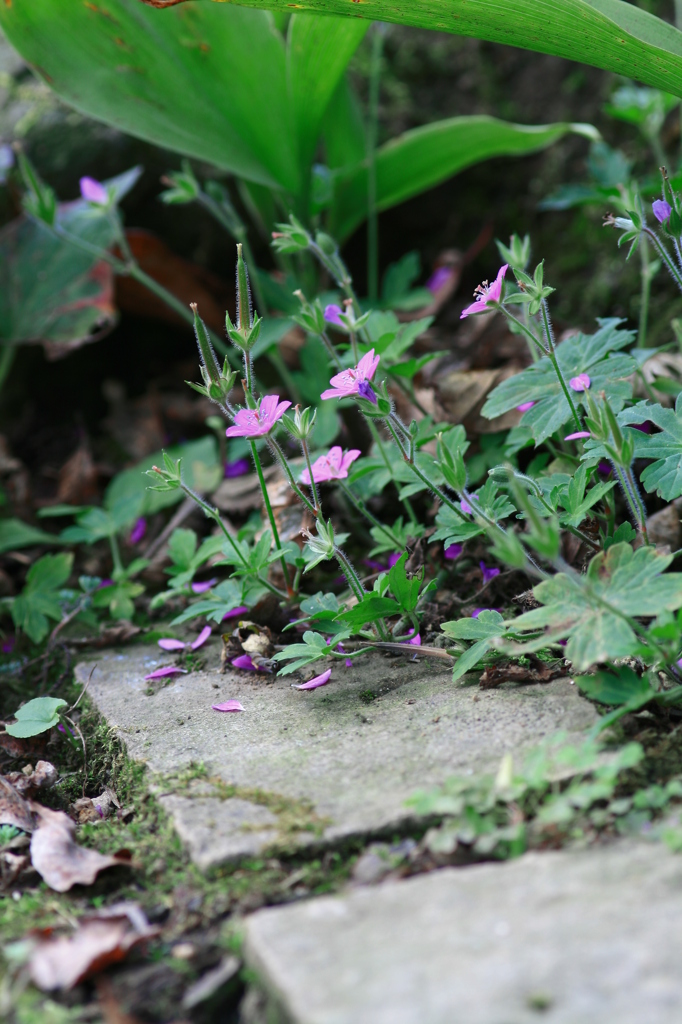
x: 332, y: 466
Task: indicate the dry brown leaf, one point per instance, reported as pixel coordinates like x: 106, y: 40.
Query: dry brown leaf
x: 18, y: 748
x: 59, y: 859
x: 14, y: 810
x: 78, y: 478
x: 28, y: 781
x: 495, y: 675
x: 100, y: 940
x: 96, y: 808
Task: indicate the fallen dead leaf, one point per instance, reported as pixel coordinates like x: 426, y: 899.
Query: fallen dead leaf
x: 495, y: 675
x: 14, y: 810
x: 96, y: 808
x: 78, y: 478
x: 100, y: 940
x: 43, y: 776
x: 60, y: 861
x: 17, y: 748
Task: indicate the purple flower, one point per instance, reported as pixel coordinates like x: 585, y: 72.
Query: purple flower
x: 237, y: 468
x: 580, y: 383
x: 485, y: 293
x: 201, y: 588
x: 416, y: 640
x: 349, y: 663
x: 244, y: 661
x: 525, y: 406
x: 260, y: 421
x: 235, y: 611
x: 8, y: 644
x: 169, y: 670
x: 371, y: 564
x: 645, y: 427
x: 488, y: 574
x: 578, y: 435
x: 138, y: 531
x: 393, y: 558
x: 365, y: 390
x: 454, y: 551
x: 228, y: 705
x: 604, y: 468
x: 170, y: 644
x: 105, y: 583
x: 348, y: 382
x: 661, y: 210
x: 441, y: 277
x: 332, y: 314
x: 466, y: 507
x: 313, y: 684
x: 94, y: 191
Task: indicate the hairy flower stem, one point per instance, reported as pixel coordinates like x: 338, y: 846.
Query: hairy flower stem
x: 362, y: 508
x: 354, y: 581
x: 313, y: 485
x: 410, y: 460
x: 629, y: 489
x: 664, y: 255
x: 271, y: 515
x: 315, y: 509
x: 378, y: 33
x: 116, y: 558
x: 645, y: 291
x: 387, y: 463
x: 214, y: 514
x: 551, y: 352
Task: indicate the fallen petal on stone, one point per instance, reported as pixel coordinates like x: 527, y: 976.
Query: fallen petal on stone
x: 313, y: 684
x: 244, y: 661
x: 169, y: 670
x: 168, y: 644
x: 235, y: 611
x: 228, y: 705
x: 202, y: 638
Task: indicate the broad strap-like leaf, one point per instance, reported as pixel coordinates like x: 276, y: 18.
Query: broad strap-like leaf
x: 610, y: 34
x: 425, y: 156
x: 597, y: 354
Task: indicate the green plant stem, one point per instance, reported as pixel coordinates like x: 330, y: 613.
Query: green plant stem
x: 354, y: 581
x: 214, y: 514
x: 240, y: 235
x: 282, y: 460
x: 119, y: 571
x: 387, y: 463
x: 7, y: 357
x: 664, y: 255
x: 410, y: 460
x: 645, y: 291
x: 313, y: 485
x: 372, y: 137
x: 551, y: 352
x: 629, y: 488
x: 271, y: 515
x: 362, y: 508
x: 328, y: 344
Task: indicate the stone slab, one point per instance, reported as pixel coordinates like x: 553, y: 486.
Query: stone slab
x: 356, y: 763
x: 593, y: 937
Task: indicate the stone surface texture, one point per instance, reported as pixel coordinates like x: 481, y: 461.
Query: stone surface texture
x: 355, y: 762
x: 592, y: 937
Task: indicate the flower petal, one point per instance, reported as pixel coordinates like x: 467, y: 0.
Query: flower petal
x: 201, y: 588
x: 234, y: 612
x: 228, y: 705
x: 201, y: 639
x: 313, y: 684
x: 244, y: 661
x: 169, y: 670
x: 172, y: 645
x: 453, y: 551
x: 580, y: 383
x: 578, y: 434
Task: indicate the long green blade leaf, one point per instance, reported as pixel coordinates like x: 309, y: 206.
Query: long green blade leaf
x: 425, y: 156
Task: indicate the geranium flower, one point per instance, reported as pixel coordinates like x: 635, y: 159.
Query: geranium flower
x: 138, y: 531
x: 237, y: 468
x: 332, y: 466
x: 661, y: 210
x: 94, y: 191
x: 439, y: 279
x: 580, y: 383
x: 486, y: 293
x: 348, y: 382
x: 313, y: 684
x: 453, y: 551
x: 260, y: 421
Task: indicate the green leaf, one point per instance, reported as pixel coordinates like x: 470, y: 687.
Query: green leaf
x: 50, y: 291
x: 664, y: 475
x: 49, y: 573
x: 15, y: 534
x: 182, y: 548
x: 488, y: 623
x: 595, y: 354
x: 405, y: 591
x: 425, y: 156
x: 318, y: 52
x: 40, y: 598
x: 369, y: 609
x: 616, y: 687
x: 586, y: 610
x: 38, y: 715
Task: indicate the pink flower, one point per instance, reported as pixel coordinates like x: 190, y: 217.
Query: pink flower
x: 94, y: 191
x: 201, y: 588
x: 332, y: 314
x: 257, y: 422
x: 661, y: 210
x: 466, y: 507
x: 486, y: 293
x: 580, y: 383
x: 228, y: 705
x: 169, y: 670
x: 453, y: 551
x: 235, y: 611
x: 313, y: 684
x: 244, y: 661
x: 169, y: 644
x: 332, y: 466
x: 349, y: 663
x: 488, y: 574
x: 525, y: 406
x: 348, y: 382
x: 416, y: 640
x: 578, y: 434
x: 439, y: 279
x: 138, y: 531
